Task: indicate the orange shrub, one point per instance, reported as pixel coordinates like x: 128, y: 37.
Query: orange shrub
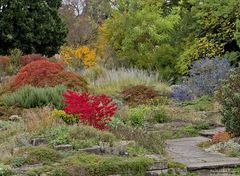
x: 45, y: 73
x: 221, y: 136
x: 27, y: 59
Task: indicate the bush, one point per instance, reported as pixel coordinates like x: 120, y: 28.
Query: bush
x: 5, y: 170
x: 44, y: 73
x: 92, y: 110
x: 69, y: 119
x: 31, y: 97
x: 206, y: 75
x: 139, y: 94
x: 137, y: 115
x: 160, y: 116
x: 27, y: 59
x: 182, y: 93
x: 229, y: 96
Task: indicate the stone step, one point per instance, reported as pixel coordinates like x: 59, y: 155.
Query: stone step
x: 211, y: 132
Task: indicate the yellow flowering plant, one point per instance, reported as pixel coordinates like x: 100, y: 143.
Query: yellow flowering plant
x: 79, y: 57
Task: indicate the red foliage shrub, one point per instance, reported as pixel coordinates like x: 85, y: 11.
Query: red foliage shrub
x: 27, y: 59
x: 4, y: 63
x: 139, y: 94
x: 221, y: 136
x: 44, y: 73
x: 92, y: 110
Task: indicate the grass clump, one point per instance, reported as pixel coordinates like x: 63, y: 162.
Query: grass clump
x: 91, y: 165
x: 204, y: 103
x: 5, y: 170
x: 31, y: 97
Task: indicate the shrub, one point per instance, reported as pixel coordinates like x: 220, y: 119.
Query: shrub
x: 137, y: 115
x: 181, y: 93
x: 229, y: 97
x: 79, y: 57
x: 5, y: 170
x: 67, y: 118
x: 206, y: 75
x: 44, y: 73
x: 27, y: 59
x: 221, y: 137
x: 92, y: 110
x: 139, y: 94
x: 30, y: 97
x: 160, y: 116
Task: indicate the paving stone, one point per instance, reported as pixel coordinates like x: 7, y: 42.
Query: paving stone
x: 185, y: 151
x: 211, y: 132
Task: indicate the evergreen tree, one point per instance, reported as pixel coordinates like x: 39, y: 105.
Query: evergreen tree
x: 32, y: 26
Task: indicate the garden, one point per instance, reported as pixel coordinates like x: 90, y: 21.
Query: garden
x: 100, y: 92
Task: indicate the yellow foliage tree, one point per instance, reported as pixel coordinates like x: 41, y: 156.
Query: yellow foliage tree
x: 79, y: 57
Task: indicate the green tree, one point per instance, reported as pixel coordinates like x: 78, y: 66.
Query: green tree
x: 32, y: 26
x: 142, y: 36
x: 212, y: 28
x: 237, y: 34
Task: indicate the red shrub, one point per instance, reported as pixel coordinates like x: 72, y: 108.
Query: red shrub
x: 221, y: 136
x: 27, y: 59
x: 93, y: 110
x: 4, y: 63
x: 44, y: 73
x: 139, y: 94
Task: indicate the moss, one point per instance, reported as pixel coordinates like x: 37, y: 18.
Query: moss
x: 91, y: 165
x: 37, y: 155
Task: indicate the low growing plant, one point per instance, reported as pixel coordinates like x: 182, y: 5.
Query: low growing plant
x: 69, y: 119
x: 31, y: 97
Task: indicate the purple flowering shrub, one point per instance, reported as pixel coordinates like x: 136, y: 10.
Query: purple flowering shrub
x: 205, y: 77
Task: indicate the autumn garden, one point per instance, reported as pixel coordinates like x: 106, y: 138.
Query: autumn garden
x: 99, y: 87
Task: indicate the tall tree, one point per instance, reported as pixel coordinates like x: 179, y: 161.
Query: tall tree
x: 32, y: 26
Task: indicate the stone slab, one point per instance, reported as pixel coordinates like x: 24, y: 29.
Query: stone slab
x: 211, y: 132
x: 186, y: 151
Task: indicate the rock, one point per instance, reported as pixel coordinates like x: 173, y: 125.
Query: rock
x: 123, y: 153
x: 156, y: 172
x: 95, y: 150
x: 155, y: 156
x: 38, y: 141
x: 158, y: 166
x: 15, y: 118
x: 66, y: 147
x: 211, y: 132
x: 118, y: 147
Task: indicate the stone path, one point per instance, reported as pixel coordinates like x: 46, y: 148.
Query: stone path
x: 185, y: 151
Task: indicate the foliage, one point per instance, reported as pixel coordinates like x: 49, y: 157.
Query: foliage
x: 91, y: 164
x: 92, y: 110
x: 206, y: 75
x: 204, y: 103
x: 137, y: 115
x: 27, y: 59
x: 5, y: 170
x: 237, y: 34
x: 67, y: 118
x: 37, y: 155
x: 31, y: 97
x: 161, y: 116
x: 138, y: 94
x: 112, y: 81
x: 221, y: 137
x: 44, y: 73
x: 182, y: 93
x: 210, y: 30
x: 229, y: 96
x: 79, y: 57
x: 35, y: 32
x: 141, y: 36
